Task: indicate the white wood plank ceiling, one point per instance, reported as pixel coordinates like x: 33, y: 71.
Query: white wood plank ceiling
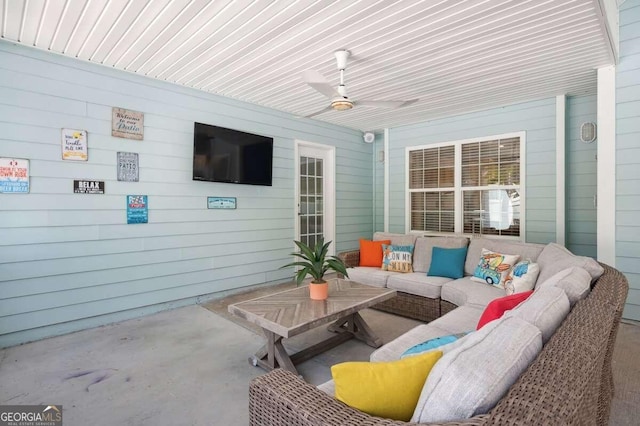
x: 454, y: 56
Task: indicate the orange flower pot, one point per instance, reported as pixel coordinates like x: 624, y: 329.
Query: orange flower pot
x: 319, y: 291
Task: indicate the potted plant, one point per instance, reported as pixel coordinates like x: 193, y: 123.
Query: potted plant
x: 316, y: 263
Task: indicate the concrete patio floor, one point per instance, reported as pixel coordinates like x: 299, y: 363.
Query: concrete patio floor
x: 187, y: 366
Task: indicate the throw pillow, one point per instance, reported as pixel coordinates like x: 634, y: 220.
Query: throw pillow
x: 397, y: 258
x: 497, y: 307
x: 493, y: 267
x: 522, y: 277
x: 554, y: 258
x: 470, y: 379
x: 432, y: 344
x: 384, y: 389
x: 447, y: 262
x: 371, y: 252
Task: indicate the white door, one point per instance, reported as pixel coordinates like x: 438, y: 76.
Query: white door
x: 315, y: 193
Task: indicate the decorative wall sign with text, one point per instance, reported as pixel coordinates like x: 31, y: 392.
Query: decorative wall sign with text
x: 14, y: 176
x: 221, y: 202
x: 74, y: 145
x: 127, y: 124
x: 128, y: 170
x: 137, y: 209
x: 88, y: 187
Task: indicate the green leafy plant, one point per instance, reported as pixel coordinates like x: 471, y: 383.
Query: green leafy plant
x: 315, y: 262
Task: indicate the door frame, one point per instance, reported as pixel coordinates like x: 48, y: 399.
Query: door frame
x: 329, y: 227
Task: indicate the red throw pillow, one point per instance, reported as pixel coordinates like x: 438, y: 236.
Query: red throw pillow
x: 496, y: 308
x: 371, y: 252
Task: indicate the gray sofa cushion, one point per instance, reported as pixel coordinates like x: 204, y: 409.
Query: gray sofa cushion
x: 460, y: 320
x: 525, y: 250
x: 575, y: 281
x: 393, y: 350
x: 417, y: 283
x: 546, y: 308
x: 424, y: 246
x: 328, y: 387
x: 369, y: 275
x: 465, y: 291
x: 472, y: 378
x: 396, y: 239
x: 554, y: 258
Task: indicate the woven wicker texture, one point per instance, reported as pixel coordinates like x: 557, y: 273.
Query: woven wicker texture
x: 446, y: 307
x: 411, y: 306
x: 569, y: 383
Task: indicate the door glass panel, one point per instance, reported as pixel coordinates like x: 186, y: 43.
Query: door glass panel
x: 311, y: 211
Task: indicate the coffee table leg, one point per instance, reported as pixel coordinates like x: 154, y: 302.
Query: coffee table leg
x: 272, y: 354
x: 355, y: 325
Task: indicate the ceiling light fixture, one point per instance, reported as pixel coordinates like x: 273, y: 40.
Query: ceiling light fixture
x: 341, y: 104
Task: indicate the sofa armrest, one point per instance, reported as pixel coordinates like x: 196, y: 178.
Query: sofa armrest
x: 281, y: 398
x: 350, y: 258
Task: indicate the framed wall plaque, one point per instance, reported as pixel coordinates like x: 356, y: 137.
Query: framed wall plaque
x: 128, y: 170
x: 74, y: 145
x: 127, y: 124
x: 137, y: 209
x: 14, y: 176
x: 221, y: 202
x: 88, y: 186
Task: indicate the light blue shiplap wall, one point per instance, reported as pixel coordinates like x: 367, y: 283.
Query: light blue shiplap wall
x: 581, y: 224
x: 536, y: 118
x: 70, y: 261
x: 628, y: 154
x: 378, y: 177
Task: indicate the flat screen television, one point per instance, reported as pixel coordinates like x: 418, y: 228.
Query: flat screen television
x: 232, y: 156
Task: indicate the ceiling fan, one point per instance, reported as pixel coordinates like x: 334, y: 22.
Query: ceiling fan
x: 339, y: 99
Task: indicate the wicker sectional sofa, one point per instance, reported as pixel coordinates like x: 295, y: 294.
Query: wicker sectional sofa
x: 569, y: 382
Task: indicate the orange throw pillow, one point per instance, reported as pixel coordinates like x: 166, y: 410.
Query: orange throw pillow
x: 371, y: 252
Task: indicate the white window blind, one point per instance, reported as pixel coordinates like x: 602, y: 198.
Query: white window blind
x: 489, y: 187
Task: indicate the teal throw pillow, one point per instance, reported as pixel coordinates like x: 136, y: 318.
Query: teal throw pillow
x: 432, y: 344
x: 447, y: 262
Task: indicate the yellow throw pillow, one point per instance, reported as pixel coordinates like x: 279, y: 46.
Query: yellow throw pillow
x: 384, y: 389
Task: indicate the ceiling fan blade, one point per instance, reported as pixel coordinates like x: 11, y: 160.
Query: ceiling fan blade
x: 319, y: 82
x: 322, y: 111
x: 387, y: 104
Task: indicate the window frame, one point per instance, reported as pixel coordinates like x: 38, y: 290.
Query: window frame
x: 458, y: 189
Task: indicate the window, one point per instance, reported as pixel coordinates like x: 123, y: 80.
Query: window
x: 484, y: 175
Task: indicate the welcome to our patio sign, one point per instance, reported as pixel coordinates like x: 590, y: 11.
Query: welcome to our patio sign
x: 127, y: 124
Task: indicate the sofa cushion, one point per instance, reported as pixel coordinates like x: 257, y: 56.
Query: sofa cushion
x: 525, y: 250
x: 496, y: 308
x: 396, y: 239
x: 474, y: 376
x: 522, y: 277
x: 465, y: 291
x: 459, y: 320
x: 493, y: 267
x: 397, y: 258
x: 369, y: 276
x: 424, y: 249
x: 371, y: 252
x: 546, y: 309
x: 448, y: 262
x: 554, y: 258
x: 328, y: 387
x: 384, y: 389
x: 417, y: 283
x: 575, y: 281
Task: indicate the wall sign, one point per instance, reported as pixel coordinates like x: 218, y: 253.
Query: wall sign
x: 14, y: 176
x: 221, y: 202
x: 74, y: 145
x: 127, y: 124
x: 137, y: 209
x: 128, y: 170
x: 88, y: 187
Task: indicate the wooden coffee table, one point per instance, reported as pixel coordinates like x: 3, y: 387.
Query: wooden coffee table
x: 289, y: 313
